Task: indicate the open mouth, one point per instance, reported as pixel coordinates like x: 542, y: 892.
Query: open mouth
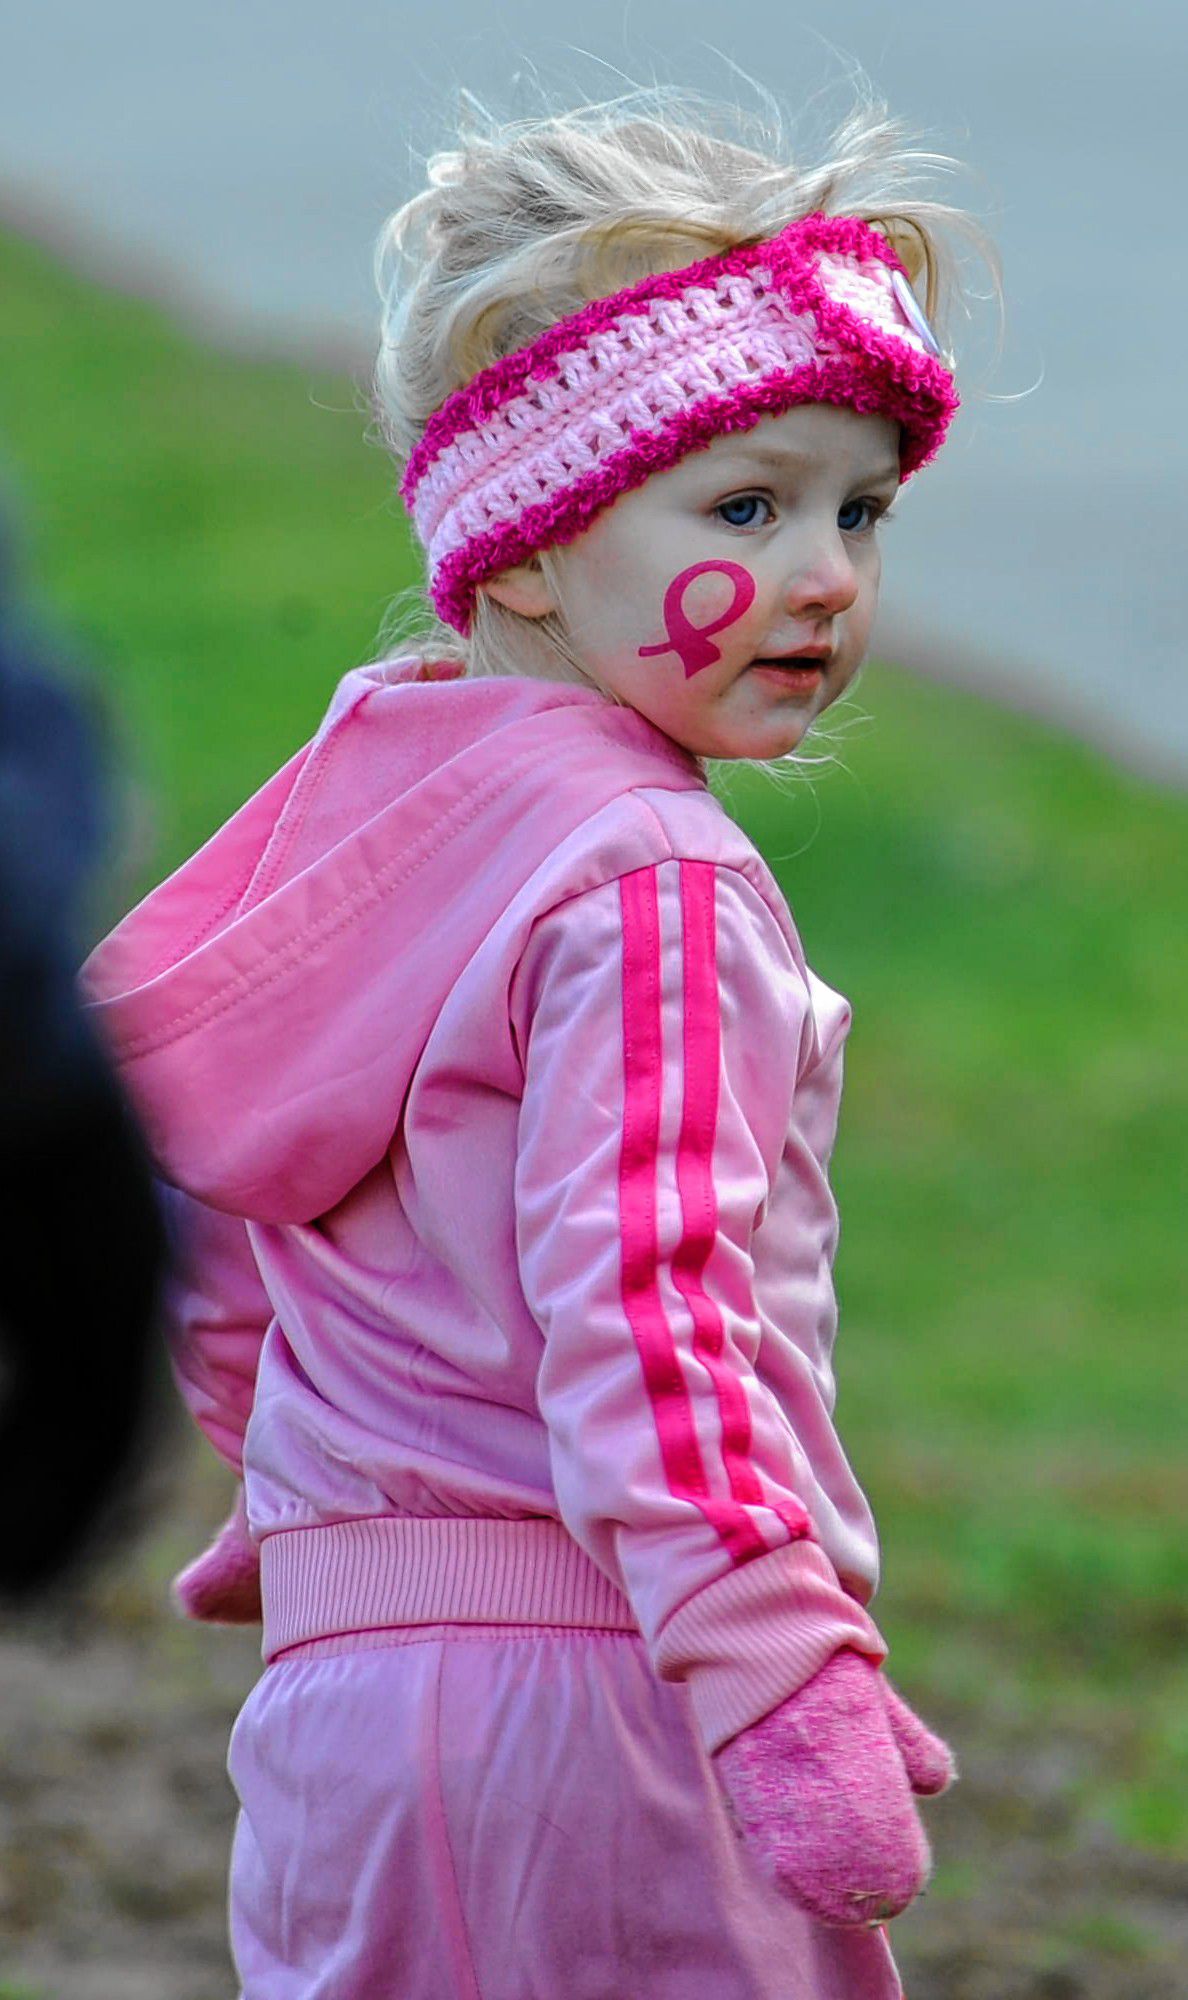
x: 795, y: 674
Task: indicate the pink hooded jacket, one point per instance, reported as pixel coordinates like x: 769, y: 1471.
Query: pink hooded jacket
x: 496, y: 1032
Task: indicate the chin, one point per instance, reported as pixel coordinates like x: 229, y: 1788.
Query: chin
x: 765, y: 751
x: 776, y: 744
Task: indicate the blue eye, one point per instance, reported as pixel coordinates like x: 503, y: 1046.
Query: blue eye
x: 739, y: 512
x: 874, y: 508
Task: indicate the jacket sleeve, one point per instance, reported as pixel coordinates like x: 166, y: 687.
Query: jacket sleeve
x: 217, y: 1313
x: 661, y: 1019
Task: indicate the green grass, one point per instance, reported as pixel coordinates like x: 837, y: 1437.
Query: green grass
x: 1004, y: 909
x: 213, y: 531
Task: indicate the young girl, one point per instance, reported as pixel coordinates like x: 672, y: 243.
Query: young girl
x: 496, y: 1096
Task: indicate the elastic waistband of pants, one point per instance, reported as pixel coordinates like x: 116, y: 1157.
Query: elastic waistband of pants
x: 367, y: 1576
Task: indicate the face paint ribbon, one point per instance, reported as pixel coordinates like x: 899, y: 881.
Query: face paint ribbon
x: 691, y: 643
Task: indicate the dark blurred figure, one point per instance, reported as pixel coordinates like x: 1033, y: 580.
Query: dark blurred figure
x: 82, y: 1246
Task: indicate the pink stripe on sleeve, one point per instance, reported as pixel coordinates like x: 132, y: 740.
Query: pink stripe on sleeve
x: 643, y: 1057
x: 695, y: 1180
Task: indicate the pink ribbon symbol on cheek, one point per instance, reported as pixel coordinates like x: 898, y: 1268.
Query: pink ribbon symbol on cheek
x: 691, y: 643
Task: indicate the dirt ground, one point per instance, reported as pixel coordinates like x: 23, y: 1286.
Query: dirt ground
x: 116, y: 1817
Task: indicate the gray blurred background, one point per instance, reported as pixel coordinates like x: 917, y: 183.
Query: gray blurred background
x: 238, y: 159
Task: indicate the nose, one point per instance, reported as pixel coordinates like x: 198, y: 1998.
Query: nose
x: 823, y: 581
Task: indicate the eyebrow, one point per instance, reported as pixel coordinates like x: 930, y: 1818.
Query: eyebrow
x: 784, y: 461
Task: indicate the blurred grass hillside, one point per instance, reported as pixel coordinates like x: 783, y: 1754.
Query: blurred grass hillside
x: 1006, y: 912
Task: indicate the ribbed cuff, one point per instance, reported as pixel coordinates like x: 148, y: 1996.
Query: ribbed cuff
x: 748, y: 1641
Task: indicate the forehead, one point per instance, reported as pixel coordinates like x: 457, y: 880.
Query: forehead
x: 814, y: 438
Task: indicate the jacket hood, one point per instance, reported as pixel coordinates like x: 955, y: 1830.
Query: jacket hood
x: 267, y: 1005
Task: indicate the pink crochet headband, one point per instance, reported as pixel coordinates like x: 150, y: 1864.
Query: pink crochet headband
x: 527, y: 452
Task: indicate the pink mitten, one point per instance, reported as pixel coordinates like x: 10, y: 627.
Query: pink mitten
x: 822, y: 1792
x: 223, y: 1585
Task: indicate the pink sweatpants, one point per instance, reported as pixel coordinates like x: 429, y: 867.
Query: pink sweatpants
x: 495, y: 1812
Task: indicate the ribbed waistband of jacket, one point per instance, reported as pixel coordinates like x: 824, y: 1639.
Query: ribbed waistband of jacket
x: 367, y: 1576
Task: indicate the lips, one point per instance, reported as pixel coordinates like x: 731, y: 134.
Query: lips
x: 804, y: 661
x: 805, y: 656
x: 792, y: 675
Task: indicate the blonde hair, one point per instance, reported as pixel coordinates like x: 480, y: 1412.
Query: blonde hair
x: 523, y: 223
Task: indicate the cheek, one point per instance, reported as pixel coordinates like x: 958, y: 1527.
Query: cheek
x: 869, y: 601
x: 717, y: 594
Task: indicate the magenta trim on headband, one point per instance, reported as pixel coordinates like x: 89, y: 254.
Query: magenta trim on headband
x: 495, y: 385
x: 495, y: 444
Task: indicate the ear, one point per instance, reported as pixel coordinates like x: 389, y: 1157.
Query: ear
x: 522, y: 589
